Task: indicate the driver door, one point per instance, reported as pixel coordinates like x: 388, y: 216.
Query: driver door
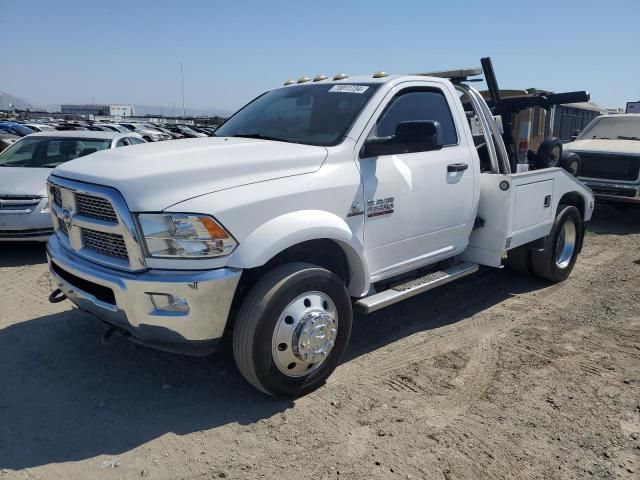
x: 418, y: 211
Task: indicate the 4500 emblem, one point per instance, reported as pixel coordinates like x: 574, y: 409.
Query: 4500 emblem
x: 380, y: 206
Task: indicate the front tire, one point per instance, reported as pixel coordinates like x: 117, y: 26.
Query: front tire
x: 292, y: 329
x: 556, y: 261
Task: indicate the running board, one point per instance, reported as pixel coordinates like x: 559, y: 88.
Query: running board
x: 414, y: 287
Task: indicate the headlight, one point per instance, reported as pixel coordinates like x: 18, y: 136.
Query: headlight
x: 184, y: 235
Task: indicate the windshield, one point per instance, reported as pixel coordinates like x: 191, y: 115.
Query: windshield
x: 613, y: 128
x: 309, y: 114
x: 46, y: 152
x: 16, y: 129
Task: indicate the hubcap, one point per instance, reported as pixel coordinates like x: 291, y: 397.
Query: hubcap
x: 305, y: 334
x: 566, y: 244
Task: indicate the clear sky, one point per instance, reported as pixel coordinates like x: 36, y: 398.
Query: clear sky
x: 118, y: 51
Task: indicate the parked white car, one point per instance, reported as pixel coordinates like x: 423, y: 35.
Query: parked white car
x: 313, y: 199
x: 39, y: 127
x: 609, y: 150
x: 147, y: 132
x: 24, y: 168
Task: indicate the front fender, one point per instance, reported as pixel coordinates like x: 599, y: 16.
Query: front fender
x: 290, y: 229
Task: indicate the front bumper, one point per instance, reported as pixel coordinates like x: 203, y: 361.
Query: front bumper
x: 615, y: 192
x: 28, y: 225
x: 129, y: 301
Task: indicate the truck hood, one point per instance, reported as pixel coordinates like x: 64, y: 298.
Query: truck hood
x: 631, y: 147
x: 23, y: 181
x: 154, y: 176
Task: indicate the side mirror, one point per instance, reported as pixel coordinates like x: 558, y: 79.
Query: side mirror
x: 409, y: 137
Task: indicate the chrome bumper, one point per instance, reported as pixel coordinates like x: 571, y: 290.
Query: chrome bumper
x: 137, y: 302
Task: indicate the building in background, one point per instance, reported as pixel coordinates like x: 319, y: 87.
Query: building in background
x: 120, y: 111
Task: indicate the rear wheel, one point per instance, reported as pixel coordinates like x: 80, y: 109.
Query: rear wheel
x: 292, y: 329
x: 571, y: 162
x: 556, y: 261
x: 549, y: 153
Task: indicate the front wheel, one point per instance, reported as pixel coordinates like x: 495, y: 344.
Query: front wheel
x: 292, y: 329
x: 556, y: 261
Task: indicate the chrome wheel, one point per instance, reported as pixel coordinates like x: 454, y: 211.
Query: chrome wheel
x: 566, y: 244
x: 305, y: 334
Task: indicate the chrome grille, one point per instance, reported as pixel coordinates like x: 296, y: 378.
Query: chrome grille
x: 99, y: 226
x: 57, y: 196
x: 63, y: 228
x: 95, y: 207
x: 109, y: 244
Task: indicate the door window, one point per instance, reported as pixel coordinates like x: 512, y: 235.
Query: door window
x: 123, y: 142
x: 415, y: 105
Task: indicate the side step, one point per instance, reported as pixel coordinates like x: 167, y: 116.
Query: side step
x: 414, y: 287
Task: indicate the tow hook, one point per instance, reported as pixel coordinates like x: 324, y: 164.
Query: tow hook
x: 57, y: 296
x: 107, y: 337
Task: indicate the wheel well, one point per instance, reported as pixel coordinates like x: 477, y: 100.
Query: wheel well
x: 574, y: 199
x: 322, y: 252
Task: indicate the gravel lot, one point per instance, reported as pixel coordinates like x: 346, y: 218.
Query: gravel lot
x: 496, y: 376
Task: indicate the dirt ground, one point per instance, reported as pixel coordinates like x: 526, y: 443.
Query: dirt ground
x: 496, y: 376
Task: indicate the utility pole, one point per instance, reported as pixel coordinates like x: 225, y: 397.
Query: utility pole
x: 184, y: 112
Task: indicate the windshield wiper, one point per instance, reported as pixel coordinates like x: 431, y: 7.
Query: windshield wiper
x: 624, y: 137
x: 262, y: 136
x: 595, y: 137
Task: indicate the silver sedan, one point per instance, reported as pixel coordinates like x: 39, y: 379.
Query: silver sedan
x: 24, y: 168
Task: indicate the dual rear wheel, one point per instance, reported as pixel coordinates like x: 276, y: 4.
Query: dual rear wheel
x: 556, y: 260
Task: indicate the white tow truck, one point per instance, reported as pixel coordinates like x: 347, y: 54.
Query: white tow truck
x: 316, y: 198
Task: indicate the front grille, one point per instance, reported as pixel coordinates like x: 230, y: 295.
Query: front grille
x: 109, y: 244
x: 95, y: 207
x: 96, y: 227
x: 18, y: 202
x: 18, y: 234
x: 57, y: 196
x: 610, y: 167
x: 103, y: 294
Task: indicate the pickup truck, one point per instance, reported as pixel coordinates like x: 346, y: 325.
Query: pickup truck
x: 609, y: 150
x: 315, y: 199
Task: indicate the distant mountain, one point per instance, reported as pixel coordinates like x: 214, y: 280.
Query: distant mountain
x: 18, y: 103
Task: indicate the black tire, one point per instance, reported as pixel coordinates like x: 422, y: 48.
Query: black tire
x: 146, y: 139
x: 549, y: 153
x: 519, y: 261
x: 260, y: 314
x: 571, y: 162
x: 546, y: 264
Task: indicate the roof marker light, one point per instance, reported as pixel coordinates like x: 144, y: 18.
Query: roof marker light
x: 289, y: 82
x: 319, y: 78
x: 380, y: 74
x: 340, y: 76
x: 304, y: 79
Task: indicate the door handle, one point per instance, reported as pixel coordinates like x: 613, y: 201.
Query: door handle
x: 457, y: 167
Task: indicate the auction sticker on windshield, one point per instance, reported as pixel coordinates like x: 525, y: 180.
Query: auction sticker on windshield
x: 348, y: 89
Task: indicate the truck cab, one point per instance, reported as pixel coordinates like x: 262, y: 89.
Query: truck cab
x: 317, y: 198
